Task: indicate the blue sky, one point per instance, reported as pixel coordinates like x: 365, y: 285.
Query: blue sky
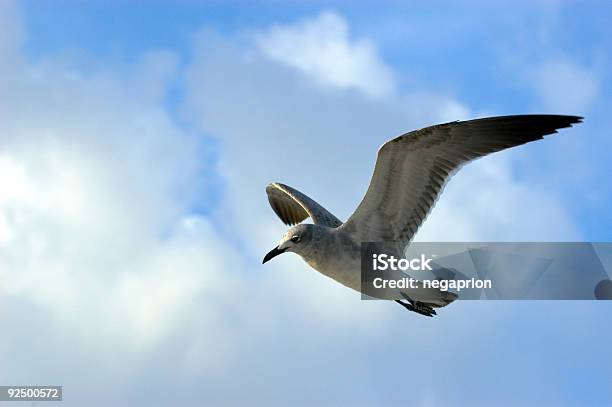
x: 478, y: 58
x: 136, y: 140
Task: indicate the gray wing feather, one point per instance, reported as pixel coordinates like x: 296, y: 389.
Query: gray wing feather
x: 411, y: 170
x: 292, y: 206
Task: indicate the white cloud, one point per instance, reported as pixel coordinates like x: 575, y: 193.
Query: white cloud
x: 96, y: 234
x: 97, y: 182
x: 564, y: 86
x: 483, y: 202
x: 321, y: 48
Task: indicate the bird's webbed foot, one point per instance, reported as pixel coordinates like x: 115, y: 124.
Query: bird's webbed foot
x: 416, y: 306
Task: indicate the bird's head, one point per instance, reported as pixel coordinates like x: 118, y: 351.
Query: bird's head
x: 297, y: 240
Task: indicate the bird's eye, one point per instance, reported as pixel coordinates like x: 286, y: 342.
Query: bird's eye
x: 296, y: 239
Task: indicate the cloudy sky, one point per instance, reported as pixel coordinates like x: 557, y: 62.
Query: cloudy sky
x: 136, y: 141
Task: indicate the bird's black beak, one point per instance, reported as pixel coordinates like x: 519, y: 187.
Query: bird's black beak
x: 272, y: 254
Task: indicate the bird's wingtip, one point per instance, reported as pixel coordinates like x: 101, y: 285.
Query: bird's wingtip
x: 273, y: 185
x: 276, y: 185
x: 576, y: 119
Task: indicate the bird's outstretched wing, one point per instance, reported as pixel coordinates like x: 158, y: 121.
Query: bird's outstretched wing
x: 412, y: 169
x: 293, y: 207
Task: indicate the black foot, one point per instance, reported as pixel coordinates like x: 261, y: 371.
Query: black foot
x: 416, y: 306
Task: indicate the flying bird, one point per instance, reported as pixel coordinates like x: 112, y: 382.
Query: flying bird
x: 410, y: 173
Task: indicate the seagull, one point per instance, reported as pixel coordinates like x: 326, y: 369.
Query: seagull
x: 410, y: 173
